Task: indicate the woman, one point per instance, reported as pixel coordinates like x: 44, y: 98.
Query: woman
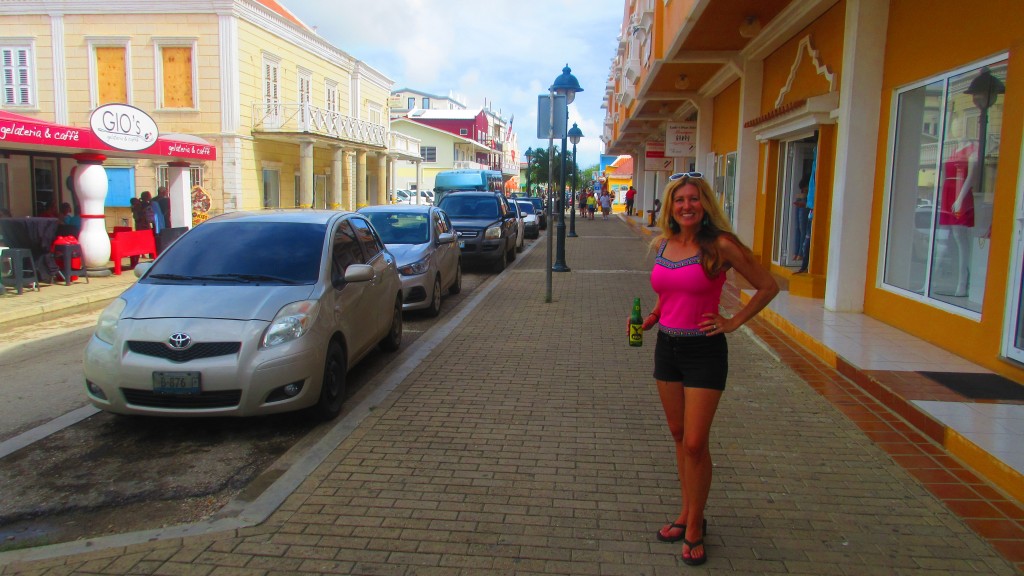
x: 695, y: 250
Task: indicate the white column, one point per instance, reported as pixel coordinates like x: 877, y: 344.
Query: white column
x: 382, y: 178
x: 360, y: 178
x: 337, y: 174
x: 179, y: 188
x: 705, y: 120
x: 419, y: 176
x: 306, y: 173
x: 747, y: 152
x: 90, y: 183
x: 856, y: 139
x: 348, y: 201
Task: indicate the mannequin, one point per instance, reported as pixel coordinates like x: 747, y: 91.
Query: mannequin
x: 960, y: 177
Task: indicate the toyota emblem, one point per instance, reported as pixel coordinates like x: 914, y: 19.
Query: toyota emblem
x: 179, y: 341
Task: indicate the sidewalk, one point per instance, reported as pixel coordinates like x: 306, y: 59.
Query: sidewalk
x: 530, y: 440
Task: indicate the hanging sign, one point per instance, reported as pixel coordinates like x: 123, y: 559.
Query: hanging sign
x: 123, y: 127
x: 681, y: 139
x: 654, y: 157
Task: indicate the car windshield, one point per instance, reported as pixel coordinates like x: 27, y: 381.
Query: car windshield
x: 400, y: 227
x: 466, y: 206
x: 537, y: 203
x: 243, y: 253
x: 525, y: 207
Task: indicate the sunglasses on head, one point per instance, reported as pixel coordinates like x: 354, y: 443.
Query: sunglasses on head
x: 679, y: 175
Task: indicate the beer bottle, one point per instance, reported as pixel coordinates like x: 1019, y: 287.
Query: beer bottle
x: 636, y: 325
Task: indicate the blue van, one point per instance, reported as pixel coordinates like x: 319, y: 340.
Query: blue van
x: 475, y: 180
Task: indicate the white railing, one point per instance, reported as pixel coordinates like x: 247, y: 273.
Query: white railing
x: 296, y: 117
x: 402, y: 144
x: 468, y: 165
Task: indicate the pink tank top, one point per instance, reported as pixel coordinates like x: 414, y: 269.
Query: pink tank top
x: 685, y: 292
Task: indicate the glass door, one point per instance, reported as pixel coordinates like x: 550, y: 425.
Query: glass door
x: 1013, y: 331
x: 44, y: 187
x: 791, y: 223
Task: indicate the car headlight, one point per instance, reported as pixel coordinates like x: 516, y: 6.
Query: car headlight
x: 415, y: 268
x: 492, y: 233
x: 291, y: 322
x: 106, y: 325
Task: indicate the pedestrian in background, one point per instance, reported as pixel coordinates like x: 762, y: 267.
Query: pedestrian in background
x: 164, y: 200
x: 606, y: 204
x: 630, y: 197
x: 695, y: 250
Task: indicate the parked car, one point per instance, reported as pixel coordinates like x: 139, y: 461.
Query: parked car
x: 531, y: 224
x: 538, y: 208
x: 486, y: 226
x: 521, y: 223
x: 400, y: 197
x: 422, y: 241
x: 248, y: 314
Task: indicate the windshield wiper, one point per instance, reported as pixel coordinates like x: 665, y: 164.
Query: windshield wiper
x: 251, y: 278
x: 172, y: 277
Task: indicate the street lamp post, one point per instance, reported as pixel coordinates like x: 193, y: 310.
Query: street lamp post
x: 529, y: 164
x: 567, y: 85
x: 574, y: 136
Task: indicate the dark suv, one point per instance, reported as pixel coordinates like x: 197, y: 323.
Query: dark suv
x: 486, y: 226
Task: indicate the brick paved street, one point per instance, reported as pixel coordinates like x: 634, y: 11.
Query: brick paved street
x: 531, y: 441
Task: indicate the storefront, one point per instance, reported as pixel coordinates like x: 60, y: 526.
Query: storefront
x: 43, y: 165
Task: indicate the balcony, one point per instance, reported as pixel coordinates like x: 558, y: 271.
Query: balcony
x: 296, y: 118
x: 403, y: 145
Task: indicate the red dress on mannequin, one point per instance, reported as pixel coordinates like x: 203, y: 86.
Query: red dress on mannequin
x: 954, y: 172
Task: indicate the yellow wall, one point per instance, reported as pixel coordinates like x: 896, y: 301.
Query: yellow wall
x: 918, y: 46
x: 827, y: 38
x: 726, y: 123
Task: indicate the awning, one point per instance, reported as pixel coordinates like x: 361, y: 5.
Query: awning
x: 19, y: 132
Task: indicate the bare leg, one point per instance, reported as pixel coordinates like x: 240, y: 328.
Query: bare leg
x: 701, y: 404
x: 673, y: 401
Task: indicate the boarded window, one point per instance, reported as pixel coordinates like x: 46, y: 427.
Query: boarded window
x: 111, y: 75
x: 177, y: 68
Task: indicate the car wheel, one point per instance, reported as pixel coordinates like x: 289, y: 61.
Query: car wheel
x: 521, y: 243
x: 333, y: 387
x: 393, y: 341
x: 512, y: 252
x: 435, y: 299
x: 456, y: 286
x: 501, y: 262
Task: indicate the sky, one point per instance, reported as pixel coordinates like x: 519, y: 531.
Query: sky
x: 505, y: 51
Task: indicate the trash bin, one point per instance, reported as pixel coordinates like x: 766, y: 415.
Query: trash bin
x: 167, y: 236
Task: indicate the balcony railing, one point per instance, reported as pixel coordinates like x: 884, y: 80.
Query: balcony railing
x: 402, y: 144
x: 296, y: 117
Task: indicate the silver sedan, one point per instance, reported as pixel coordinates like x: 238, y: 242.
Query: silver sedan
x: 246, y: 314
x: 423, y: 242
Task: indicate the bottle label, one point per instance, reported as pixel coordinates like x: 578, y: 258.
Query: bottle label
x: 636, y: 334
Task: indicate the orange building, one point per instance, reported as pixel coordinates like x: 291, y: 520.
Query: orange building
x: 906, y: 139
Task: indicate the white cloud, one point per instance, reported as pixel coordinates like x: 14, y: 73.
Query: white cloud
x: 504, y: 51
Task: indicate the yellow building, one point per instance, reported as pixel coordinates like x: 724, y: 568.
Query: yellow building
x: 295, y: 120
x: 906, y: 137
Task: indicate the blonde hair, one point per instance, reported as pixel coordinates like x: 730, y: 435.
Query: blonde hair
x: 715, y: 223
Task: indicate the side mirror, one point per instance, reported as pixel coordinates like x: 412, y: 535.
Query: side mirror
x: 141, y: 269
x: 446, y: 238
x: 359, y: 273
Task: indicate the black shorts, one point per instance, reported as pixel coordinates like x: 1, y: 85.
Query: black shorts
x: 696, y: 361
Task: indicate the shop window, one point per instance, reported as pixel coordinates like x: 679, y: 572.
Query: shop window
x: 5, y: 190
x: 428, y: 153
x: 176, y: 73
x: 17, y: 75
x: 195, y: 176
x: 940, y: 191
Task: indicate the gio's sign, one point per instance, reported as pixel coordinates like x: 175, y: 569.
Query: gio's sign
x: 123, y: 127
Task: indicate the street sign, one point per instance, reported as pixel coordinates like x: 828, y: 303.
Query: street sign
x: 681, y: 139
x: 654, y: 157
x: 544, y: 116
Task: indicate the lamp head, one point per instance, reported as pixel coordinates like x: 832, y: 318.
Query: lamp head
x: 575, y: 134
x: 985, y: 88
x: 566, y: 84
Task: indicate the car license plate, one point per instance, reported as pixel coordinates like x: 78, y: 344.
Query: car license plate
x: 177, y: 383
x: 462, y: 244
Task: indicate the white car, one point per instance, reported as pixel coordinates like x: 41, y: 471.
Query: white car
x: 520, y: 223
x: 248, y: 314
x: 429, y: 259
x: 531, y: 223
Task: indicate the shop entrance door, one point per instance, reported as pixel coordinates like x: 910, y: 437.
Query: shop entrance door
x: 1013, y: 330
x: 791, y: 223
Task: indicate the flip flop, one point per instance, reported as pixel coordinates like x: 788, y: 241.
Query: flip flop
x: 690, y: 560
x: 660, y: 534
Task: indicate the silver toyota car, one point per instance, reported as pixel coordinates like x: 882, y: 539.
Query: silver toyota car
x: 247, y: 314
